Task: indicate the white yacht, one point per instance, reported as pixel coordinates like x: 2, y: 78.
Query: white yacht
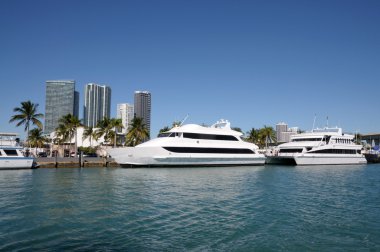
x: 192, y: 145
x: 320, y: 146
x: 11, y: 155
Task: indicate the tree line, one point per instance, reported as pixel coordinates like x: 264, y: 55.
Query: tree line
x: 27, y: 115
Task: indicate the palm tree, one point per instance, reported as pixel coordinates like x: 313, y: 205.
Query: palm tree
x: 176, y: 124
x: 164, y: 129
x: 167, y: 128
x: 69, y: 125
x: 62, y: 134
x: 137, y: 132
x: 117, y: 125
x: 237, y: 129
x: 105, y: 129
x: 27, y: 114
x: 89, y: 132
x: 36, y: 138
x: 267, y: 135
x: 253, y: 136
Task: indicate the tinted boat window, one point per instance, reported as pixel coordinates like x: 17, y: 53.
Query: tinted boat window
x: 210, y: 137
x: 306, y: 139
x: 209, y: 150
x: 169, y: 134
x: 335, y: 151
x: 290, y: 150
x: 11, y: 152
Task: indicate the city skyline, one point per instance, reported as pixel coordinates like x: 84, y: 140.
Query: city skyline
x: 253, y: 63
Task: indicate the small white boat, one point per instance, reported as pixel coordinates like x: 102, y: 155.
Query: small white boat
x: 192, y: 145
x: 11, y: 155
x: 327, y: 146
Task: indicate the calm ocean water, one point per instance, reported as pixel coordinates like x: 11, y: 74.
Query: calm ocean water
x: 325, y: 208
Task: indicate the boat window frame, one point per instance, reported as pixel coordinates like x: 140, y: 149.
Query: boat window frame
x: 10, y: 152
x: 310, y: 139
x: 202, y: 136
x: 207, y: 150
x: 291, y: 150
x: 169, y: 134
x: 336, y: 151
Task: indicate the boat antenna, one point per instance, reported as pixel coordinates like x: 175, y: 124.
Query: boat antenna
x: 184, y: 119
x: 315, y: 117
x: 327, y: 121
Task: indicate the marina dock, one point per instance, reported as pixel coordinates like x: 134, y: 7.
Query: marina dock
x: 67, y: 162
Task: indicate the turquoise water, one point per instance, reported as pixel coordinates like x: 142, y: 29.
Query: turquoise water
x: 198, y: 209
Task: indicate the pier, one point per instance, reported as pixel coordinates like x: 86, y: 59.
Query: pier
x: 67, y: 162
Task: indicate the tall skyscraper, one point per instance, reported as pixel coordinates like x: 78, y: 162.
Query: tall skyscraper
x: 281, y: 127
x: 143, y: 107
x: 97, y: 104
x: 125, y: 111
x: 61, y: 99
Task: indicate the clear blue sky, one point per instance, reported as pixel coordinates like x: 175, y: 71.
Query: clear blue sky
x: 252, y: 62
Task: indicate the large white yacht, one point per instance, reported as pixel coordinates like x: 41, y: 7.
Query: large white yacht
x: 12, y: 155
x: 192, y: 145
x: 320, y: 146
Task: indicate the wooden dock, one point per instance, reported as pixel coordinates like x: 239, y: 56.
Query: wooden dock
x: 67, y: 162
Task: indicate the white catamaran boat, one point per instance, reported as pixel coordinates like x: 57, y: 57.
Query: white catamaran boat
x: 11, y: 155
x: 192, y: 145
x: 320, y: 146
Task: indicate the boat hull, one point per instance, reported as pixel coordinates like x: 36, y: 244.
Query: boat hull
x: 372, y: 158
x: 10, y: 163
x: 159, y: 157
x: 317, y: 160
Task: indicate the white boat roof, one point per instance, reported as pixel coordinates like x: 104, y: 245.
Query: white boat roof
x: 320, y: 132
x: 222, y: 127
x: 327, y: 130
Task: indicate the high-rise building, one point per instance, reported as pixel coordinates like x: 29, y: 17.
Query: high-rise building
x: 280, y: 128
x: 97, y: 104
x: 143, y: 107
x: 61, y: 99
x: 283, y: 133
x: 125, y: 111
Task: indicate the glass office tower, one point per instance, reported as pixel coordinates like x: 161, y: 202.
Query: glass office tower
x: 143, y: 107
x: 61, y: 99
x: 97, y: 104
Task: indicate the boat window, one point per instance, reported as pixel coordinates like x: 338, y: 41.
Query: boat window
x: 210, y: 137
x: 291, y: 150
x: 336, y: 151
x: 328, y: 139
x: 175, y: 134
x: 306, y: 139
x: 165, y: 134
x: 11, y: 152
x: 209, y: 150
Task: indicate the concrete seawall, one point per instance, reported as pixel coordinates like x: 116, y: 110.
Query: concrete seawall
x: 76, y: 162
